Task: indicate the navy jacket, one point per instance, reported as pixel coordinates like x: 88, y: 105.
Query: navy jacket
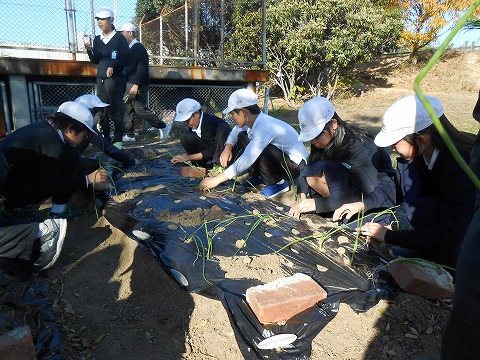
x: 439, y: 204
x: 114, y: 54
x: 136, y: 72
x: 210, y: 124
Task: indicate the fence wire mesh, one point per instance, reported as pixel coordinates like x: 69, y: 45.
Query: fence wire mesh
x: 192, y: 34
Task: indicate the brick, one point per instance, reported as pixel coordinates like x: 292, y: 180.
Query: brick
x: 197, y: 172
x: 283, y: 298
x: 421, y: 279
x: 17, y: 345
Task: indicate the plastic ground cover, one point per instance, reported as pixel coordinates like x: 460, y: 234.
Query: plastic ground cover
x: 192, y: 234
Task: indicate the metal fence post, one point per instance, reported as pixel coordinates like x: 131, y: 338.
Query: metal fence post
x: 72, y: 41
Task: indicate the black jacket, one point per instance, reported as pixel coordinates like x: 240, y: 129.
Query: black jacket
x: 136, y: 72
x: 114, y: 54
x: 210, y: 124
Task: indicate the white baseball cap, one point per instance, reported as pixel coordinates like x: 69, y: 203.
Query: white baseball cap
x: 104, y: 13
x: 78, y: 112
x: 313, y: 116
x: 90, y: 101
x: 127, y: 27
x: 406, y: 116
x: 239, y: 99
x: 186, y: 108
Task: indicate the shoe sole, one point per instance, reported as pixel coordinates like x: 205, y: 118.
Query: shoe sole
x: 63, y: 232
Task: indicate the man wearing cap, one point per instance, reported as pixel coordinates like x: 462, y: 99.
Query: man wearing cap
x: 110, y: 51
x: 44, y: 162
x: 438, y: 197
x: 136, y: 92
x: 206, y: 135
x: 96, y: 107
x: 273, y: 151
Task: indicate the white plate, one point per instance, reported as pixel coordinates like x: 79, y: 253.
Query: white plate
x: 181, y: 279
x: 277, y: 341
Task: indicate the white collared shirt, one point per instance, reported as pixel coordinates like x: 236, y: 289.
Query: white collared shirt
x: 430, y: 162
x: 106, y: 39
x: 198, y: 130
x: 133, y: 42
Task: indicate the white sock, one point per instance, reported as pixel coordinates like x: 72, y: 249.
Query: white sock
x: 58, y: 208
x: 281, y: 182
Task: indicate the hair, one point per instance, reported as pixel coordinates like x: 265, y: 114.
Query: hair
x: 463, y: 141
x: 254, y: 109
x: 337, y: 149
x: 63, y: 122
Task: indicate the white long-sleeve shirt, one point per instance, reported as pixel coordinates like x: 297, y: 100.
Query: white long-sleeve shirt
x: 266, y: 130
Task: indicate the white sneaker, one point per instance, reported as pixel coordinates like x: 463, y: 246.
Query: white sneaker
x: 165, y: 131
x: 127, y: 138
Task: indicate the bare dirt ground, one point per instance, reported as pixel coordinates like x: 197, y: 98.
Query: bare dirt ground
x: 114, y: 301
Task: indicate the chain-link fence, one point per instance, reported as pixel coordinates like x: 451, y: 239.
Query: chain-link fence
x: 191, y: 35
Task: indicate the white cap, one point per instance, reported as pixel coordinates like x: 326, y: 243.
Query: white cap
x: 90, y: 101
x: 406, y: 116
x: 78, y: 112
x: 313, y: 116
x: 127, y: 27
x: 104, y: 13
x: 186, y: 108
x: 241, y: 98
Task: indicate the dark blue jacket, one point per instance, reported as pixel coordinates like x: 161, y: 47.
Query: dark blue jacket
x: 114, y: 54
x: 439, y: 204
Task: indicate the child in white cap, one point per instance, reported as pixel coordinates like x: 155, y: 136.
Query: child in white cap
x: 206, y: 136
x: 271, y: 151
x: 438, y: 197
x: 335, y: 140
x: 111, y: 54
x: 43, y: 161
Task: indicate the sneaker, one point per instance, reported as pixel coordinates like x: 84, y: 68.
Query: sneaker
x: 69, y: 214
x: 51, y: 243
x: 128, y: 138
x: 165, y: 131
x: 118, y: 145
x: 272, y: 190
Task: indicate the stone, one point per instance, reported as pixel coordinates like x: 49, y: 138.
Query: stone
x: 284, y: 298
x: 422, y: 278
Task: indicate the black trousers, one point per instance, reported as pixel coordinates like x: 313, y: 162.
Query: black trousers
x: 193, y: 144
x: 138, y: 105
x: 18, y: 241
x: 110, y: 91
x: 273, y: 164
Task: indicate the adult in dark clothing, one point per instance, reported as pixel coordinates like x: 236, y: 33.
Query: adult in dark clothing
x: 206, y: 136
x: 437, y: 194
x: 96, y: 106
x: 136, y: 92
x: 36, y: 244
x: 110, y: 51
x: 332, y: 139
x: 462, y: 334
x: 43, y: 162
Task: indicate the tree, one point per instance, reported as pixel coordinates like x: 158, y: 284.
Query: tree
x: 310, y: 43
x: 424, y: 19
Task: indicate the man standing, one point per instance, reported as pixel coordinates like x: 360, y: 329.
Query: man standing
x: 136, y: 92
x: 205, y: 138
x: 110, y: 52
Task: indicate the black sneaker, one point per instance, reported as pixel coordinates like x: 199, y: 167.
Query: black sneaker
x: 51, y: 243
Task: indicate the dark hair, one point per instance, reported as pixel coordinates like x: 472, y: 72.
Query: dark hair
x: 63, y: 122
x: 254, y: 109
x: 338, y: 147
x: 463, y: 141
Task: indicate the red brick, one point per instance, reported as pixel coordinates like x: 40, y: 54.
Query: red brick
x: 283, y: 298
x: 422, y: 280
x: 17, y: 345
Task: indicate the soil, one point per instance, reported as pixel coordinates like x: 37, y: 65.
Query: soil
x: 114, y: 300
